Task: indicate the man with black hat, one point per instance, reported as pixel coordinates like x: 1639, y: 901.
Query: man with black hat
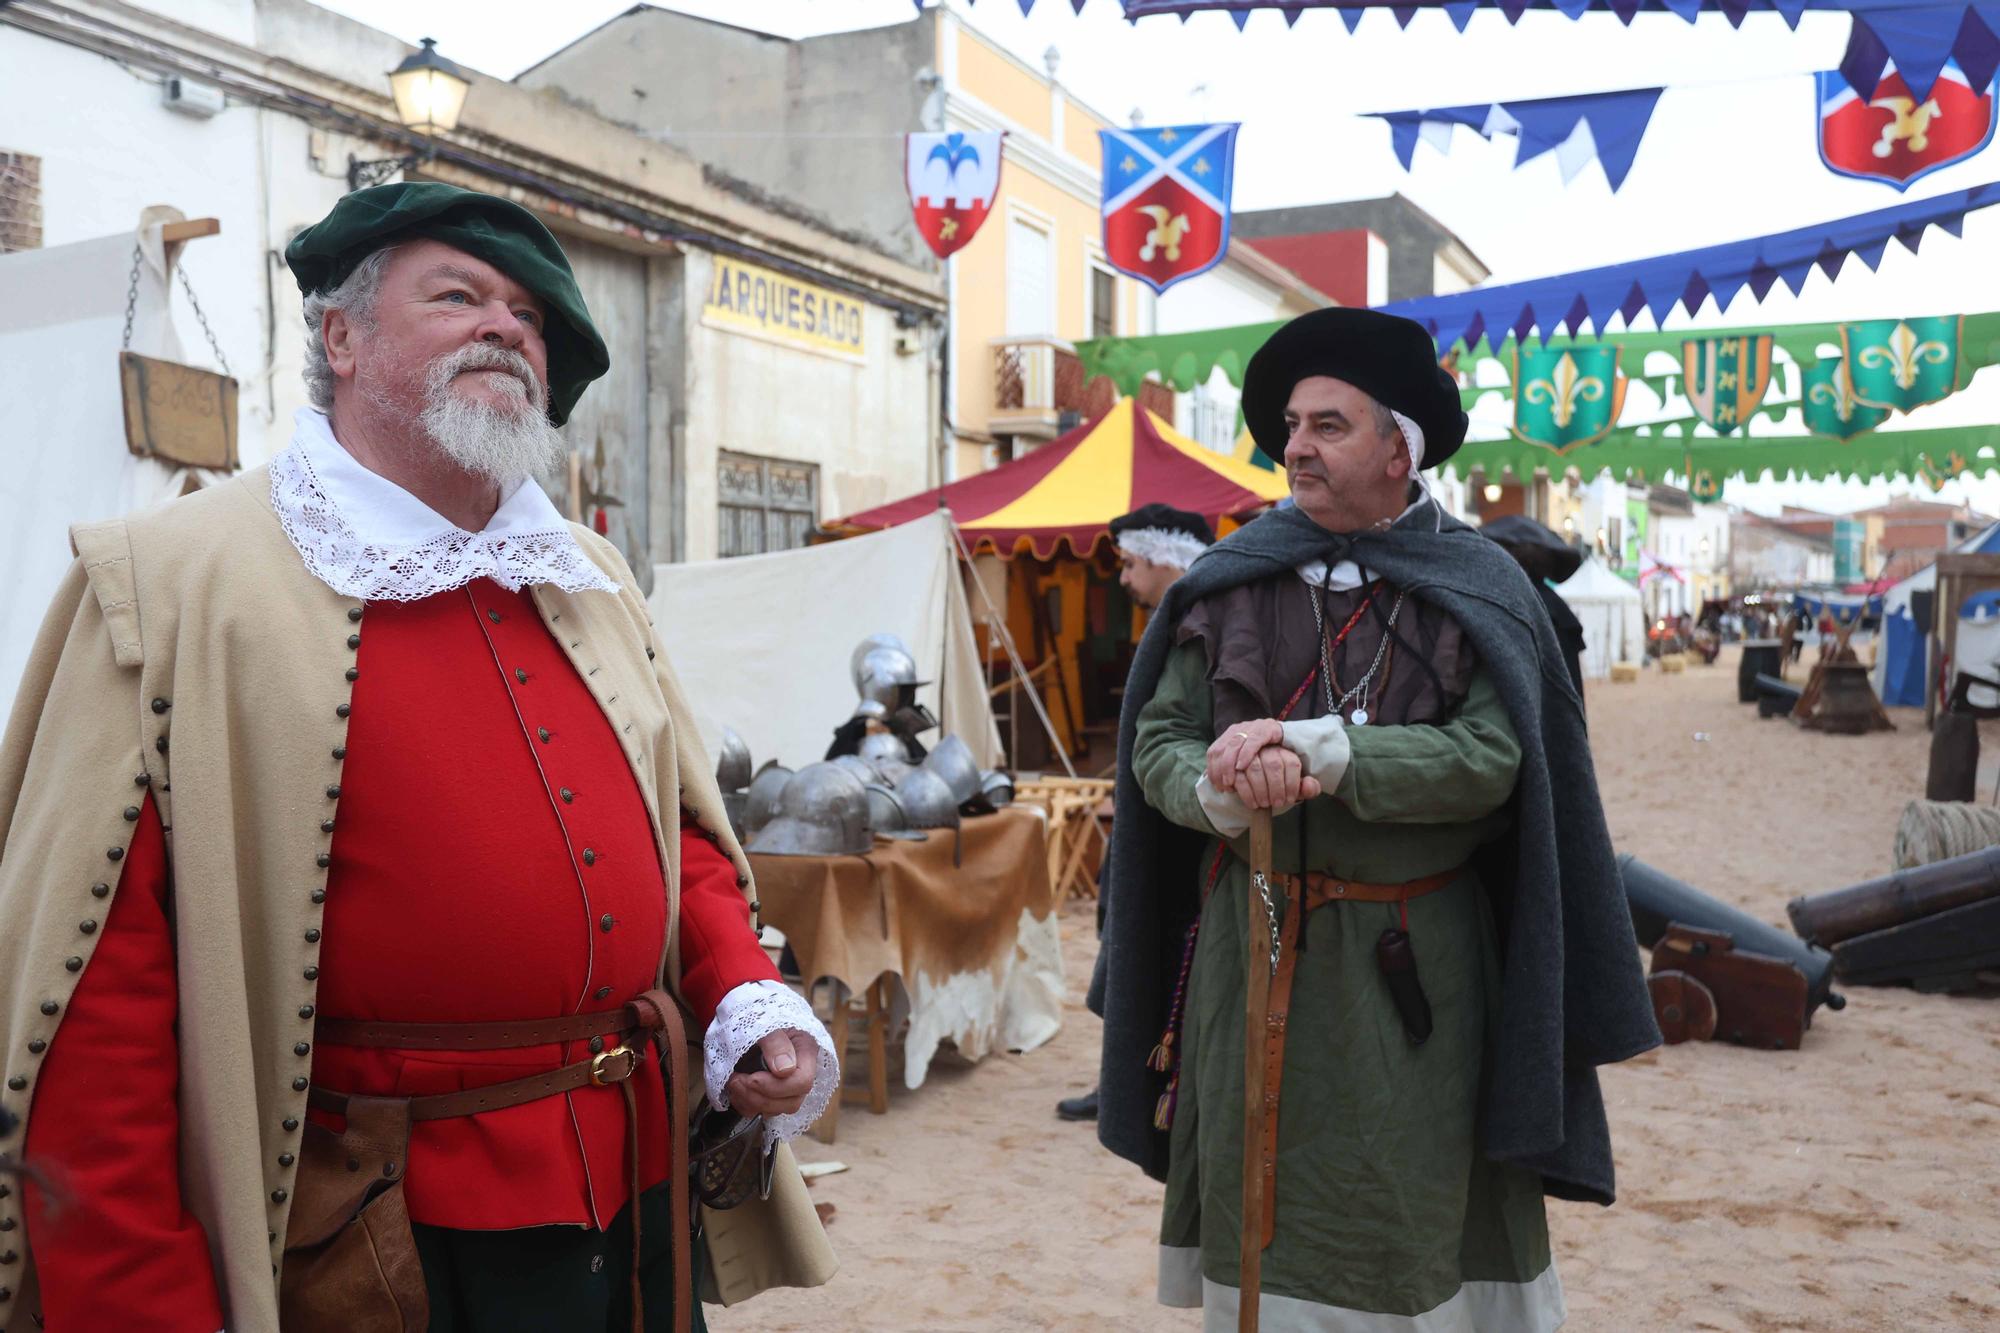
x: 1156, y: 544
x: 361, y: 869
x: 1451, y: 951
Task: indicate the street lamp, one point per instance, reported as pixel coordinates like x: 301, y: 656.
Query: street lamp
x: 429, y: 92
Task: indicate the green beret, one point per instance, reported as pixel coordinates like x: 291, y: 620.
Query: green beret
x: 497, y: 230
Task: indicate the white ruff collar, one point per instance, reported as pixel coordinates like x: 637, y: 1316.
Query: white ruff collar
x: 364, y: 536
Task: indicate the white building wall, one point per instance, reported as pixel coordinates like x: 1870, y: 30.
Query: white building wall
x: 865, y: 426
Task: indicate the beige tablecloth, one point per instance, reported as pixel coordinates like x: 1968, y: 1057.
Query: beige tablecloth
x: 972, y: 949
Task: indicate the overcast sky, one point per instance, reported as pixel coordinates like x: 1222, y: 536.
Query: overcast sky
x: 1730, y: 153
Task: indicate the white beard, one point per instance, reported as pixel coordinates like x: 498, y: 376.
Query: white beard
x: 505, y: 444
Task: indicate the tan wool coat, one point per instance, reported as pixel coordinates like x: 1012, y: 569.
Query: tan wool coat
x: 189, y: 650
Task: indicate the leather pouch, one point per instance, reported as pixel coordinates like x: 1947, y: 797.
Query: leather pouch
x: 351, y: 1263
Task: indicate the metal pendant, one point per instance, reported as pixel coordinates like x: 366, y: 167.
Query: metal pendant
x: 1359, y: 717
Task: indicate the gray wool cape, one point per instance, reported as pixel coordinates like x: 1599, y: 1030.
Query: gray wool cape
x: 1573, y: 996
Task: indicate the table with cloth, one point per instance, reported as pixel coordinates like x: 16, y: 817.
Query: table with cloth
x: 959, y: 940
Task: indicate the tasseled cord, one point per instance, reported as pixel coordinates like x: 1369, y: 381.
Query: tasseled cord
x: 1165, y: 1058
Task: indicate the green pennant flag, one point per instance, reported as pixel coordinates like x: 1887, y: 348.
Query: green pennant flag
x: 1566, y: 396
x: 1725, y: 379
x: 1903, y: 363
x: 1830, y: 405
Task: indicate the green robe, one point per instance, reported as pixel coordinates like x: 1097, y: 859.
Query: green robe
x: 1388, y: 1217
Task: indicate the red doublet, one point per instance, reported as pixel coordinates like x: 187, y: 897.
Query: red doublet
x: 492, y: 859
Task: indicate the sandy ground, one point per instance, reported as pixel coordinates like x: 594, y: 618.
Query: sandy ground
x: 1853, y: 1185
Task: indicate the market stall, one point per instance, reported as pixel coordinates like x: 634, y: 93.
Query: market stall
x: 1614, y: 627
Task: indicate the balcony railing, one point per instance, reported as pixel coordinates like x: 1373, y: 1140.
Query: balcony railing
x: 1039, y: 390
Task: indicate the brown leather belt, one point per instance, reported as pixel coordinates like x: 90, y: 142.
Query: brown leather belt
x: 1319, y: 890
x: 654, y: 1017
x: 1324, y: 889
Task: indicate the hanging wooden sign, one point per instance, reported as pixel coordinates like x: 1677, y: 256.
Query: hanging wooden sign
x: 178, y: 413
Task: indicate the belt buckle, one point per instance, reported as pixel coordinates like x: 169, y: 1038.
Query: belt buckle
x: 601, y: 1075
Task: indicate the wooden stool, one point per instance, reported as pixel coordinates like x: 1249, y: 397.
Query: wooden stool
x: 873, y: 1006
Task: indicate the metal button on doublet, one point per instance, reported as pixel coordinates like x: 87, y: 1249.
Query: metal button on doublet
x: 279, y: 1196
x: 596, y: 1045
x: 161, y: 705
x: 302, y: 1048
x: 312, y: 974
x: 493, y: 616
x: 605, y: 923
x: 342, y: 711
x: 305, y: 1011
x: 604, y: 992
x: 354, y: 641
x: 286, y: 1159
x: 300, y: 1084
x: 333, y: 793
x: 521, y: 674
x: 317, y: 895
x: 290, y: 1123
x: 143, y: 779
x: 543, y: 732
x: 589, y: 857
x: 323, y: 860
x: 340, y: 752
x: 50, y: 1008
x: 354, y: 613
x: 36, y: 1046
x: 17, y: 1083
x: 568, y: 796
x: 73, y: 964
x: 100, y: 890
x: 354, y: 673
x: 87, y: 926
x: 115, y: 853
x: 312, y: 936
x: 131, y: 814
x: 326, y: 826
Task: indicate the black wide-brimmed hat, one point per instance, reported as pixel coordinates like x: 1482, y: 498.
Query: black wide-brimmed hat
x: 497, y: 230
x: 1389, y: 358
x: 1534, y: 547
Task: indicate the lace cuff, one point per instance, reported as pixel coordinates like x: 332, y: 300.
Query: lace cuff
x: 746, y: 1016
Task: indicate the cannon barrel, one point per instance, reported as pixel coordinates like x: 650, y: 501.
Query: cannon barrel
x: 1656, y: 899
x: 1829, y: 918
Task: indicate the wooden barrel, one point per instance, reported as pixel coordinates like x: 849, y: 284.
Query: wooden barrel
x: 1760, y: 657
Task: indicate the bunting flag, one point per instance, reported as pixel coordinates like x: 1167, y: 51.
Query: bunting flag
x: 1894, y: 138
x: 1899, y: 364
x: 1566, y: 396
x: 1918, y: 37
x: 1604, y: 126
x: 1725, y: 379
x: 1660, y: 285
x: 1828, y: 404
x: 1166, y: 200
x: 952, y: 180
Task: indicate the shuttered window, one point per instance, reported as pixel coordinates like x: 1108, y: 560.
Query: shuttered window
x: 767, y: 504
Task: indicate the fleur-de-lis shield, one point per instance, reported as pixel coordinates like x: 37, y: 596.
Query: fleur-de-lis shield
x: 1566, y: 396
x: 1829, y: 404
x: 1902, y: 363
x: 1725, y: 379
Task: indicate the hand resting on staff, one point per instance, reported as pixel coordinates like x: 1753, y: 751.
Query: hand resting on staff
x: 1250, y: 759
x: 791, y: 1062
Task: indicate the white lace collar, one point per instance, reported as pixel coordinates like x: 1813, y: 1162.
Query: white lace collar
x: 364, y: 536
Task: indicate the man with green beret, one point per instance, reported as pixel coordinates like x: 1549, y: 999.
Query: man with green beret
x: 1443, y: 922
x: 368, y: 912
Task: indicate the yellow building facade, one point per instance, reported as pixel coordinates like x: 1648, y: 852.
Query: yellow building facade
x: 1034, y: 280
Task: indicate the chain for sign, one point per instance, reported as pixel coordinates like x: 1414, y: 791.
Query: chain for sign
x: 131, y: 300
x: 132, y: 305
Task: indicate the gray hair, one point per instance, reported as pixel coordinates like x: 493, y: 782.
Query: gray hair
x: 354, y: 297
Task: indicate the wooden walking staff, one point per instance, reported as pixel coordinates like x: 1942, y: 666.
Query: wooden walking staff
x: 1255, y: 1067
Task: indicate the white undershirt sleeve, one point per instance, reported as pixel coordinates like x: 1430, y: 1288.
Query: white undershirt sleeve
x: 747, y: 1015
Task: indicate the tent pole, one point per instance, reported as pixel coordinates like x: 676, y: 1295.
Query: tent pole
x: 1023, y: 684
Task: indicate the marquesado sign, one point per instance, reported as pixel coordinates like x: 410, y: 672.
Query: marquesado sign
x: 745, y: 298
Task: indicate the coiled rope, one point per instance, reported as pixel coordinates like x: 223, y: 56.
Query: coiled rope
x: 1937, y: 830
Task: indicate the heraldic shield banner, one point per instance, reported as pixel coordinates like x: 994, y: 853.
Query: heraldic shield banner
x: 1725, y: 379
x: 1892, y: 137
x: 953, y: 179
x: 1900, y: 364
x: 1829, y: 405
x: 1566, y: 396
x: 1166, y: 200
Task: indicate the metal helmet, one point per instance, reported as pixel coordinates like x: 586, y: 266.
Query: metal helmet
x: 884, y: 671
x: 867, y: 646
x: 856, y: 765
x: 871, y: 709
x: 953, y: 762
x: 823, y: 811
x: 886, y: 816
x: 732, y: 762
x: 995, y: 790
x: 927, y: 800
x: 879, y: 745
x: 762, y: 801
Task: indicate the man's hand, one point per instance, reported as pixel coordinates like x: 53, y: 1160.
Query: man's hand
x: 791, y: 1062
x: 1250, y: 760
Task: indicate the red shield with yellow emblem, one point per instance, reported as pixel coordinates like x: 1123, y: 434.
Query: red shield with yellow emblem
x: 1892, y: 137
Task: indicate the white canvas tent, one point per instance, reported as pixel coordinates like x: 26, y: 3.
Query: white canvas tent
x: 63, y: 458
x: 761, y: 642
x: 1614, y: 626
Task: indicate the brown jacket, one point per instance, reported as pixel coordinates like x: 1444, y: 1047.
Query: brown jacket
x: 189, y: 644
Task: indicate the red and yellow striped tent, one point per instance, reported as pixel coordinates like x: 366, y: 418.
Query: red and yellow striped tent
x: 1047, y: 519
x: 1065, y: 494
